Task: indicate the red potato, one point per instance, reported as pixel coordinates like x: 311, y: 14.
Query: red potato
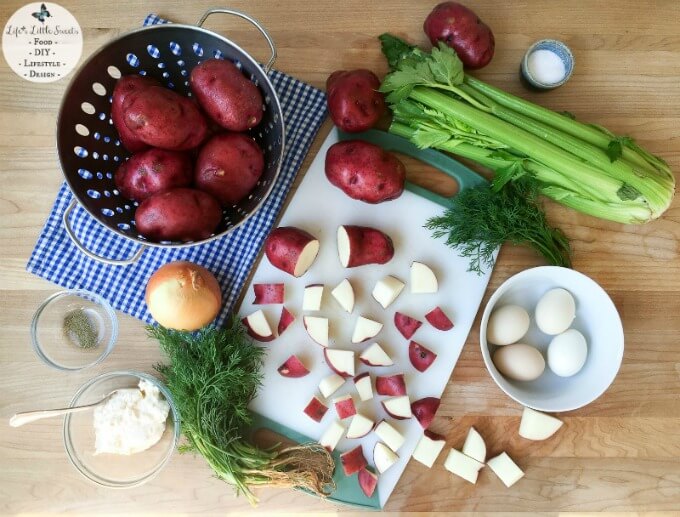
x: 124, y: 86
x: 362, y: 245
x: 354, y: 102
x: 439, y: 320
x: 162, y: 118
x: 367, y: 481
x: 365, y: 171
x: 345, y: 407
x: 181, y: 214
x: 285, y: 320
x: 226, y: 95
x: 229, y: 166
x: 353, y: 461
x: 424, y: 410
x: 421, y: 358
x: 398, y: 407
x: 291, y: 250
x: 257, y: 326
x: 390, y: 385
x: 406, y: 325
x: 462, y: 30
x: 268, y: 293
x: 153, y: 171
x: 293, y: 368
x: 315, y: 409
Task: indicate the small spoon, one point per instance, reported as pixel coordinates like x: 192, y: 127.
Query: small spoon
x: 31, y: 416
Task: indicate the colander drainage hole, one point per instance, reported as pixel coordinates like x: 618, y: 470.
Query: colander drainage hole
x: 175, y: 48
x: 87, y: 108
x: 81, y: 152
x: 99, y: 89
x: 153, y: 51
x: 217, y: 54
x: 85, y: 174
x: 94, y: 194
x: 198, y: 50
x: 108, y: 212
x: 82, y: 130
x: 97, y: 135
x: 124, y: 226
x: 132, y: 60
x: 114, y: 72
x: 100, y: 176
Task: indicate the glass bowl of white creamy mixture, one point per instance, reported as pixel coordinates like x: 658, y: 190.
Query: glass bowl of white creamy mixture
x: 127, y: 439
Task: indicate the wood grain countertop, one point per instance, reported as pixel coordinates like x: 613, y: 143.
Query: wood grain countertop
x: 619, y: 454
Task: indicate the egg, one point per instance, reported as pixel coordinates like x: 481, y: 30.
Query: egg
x: 507, y: 325
x: 567, y: 353
x: 555, y: 311
x: 519, y: 362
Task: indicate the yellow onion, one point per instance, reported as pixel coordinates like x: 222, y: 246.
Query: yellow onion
x: 183, y: 296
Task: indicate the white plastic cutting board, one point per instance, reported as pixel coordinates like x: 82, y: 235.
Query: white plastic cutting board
x: 319, y: 208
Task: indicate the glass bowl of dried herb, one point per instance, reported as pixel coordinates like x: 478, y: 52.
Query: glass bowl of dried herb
x: 74, y: 329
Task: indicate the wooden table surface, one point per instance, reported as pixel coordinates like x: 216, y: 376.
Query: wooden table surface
x: 621, y: 453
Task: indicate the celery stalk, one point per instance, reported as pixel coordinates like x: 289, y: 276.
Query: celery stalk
x: 652, y: 185
x: 598, y: 186
x: 583, y: 131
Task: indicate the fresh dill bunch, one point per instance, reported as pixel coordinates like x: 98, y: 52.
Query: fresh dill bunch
x: 212, y: 375
x: 479, y: 220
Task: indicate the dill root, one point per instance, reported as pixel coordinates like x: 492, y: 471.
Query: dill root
x: 213, y: 374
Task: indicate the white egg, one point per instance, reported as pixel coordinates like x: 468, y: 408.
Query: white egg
x: 555, y: 311
x: 507, y: 325
x: 519, y: 362
x: 567, y: 353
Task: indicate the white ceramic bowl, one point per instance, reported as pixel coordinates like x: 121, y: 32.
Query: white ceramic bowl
x: 596, y: 318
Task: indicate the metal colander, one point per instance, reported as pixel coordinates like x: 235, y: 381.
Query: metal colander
x: 87, y: 142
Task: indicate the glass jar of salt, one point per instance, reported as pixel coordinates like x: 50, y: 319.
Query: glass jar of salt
x: 547, y: 64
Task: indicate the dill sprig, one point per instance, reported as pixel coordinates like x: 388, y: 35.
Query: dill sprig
x: 213, y: 374
x: 479, y: 220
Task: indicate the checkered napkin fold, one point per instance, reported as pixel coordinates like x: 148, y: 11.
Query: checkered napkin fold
x: 230, y: 258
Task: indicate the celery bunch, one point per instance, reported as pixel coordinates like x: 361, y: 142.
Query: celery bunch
x: 583, y: 166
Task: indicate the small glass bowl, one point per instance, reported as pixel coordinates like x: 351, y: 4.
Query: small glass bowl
x: 57, y: 346
x: 113, y: 470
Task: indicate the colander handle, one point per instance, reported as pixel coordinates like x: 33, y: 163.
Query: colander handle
x: 219, y: 10
x: 93, y: 256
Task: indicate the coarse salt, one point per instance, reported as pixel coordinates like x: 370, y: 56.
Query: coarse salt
x: 546, y: 67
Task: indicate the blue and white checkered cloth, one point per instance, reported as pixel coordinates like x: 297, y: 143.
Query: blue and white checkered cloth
x: 230, y: 258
